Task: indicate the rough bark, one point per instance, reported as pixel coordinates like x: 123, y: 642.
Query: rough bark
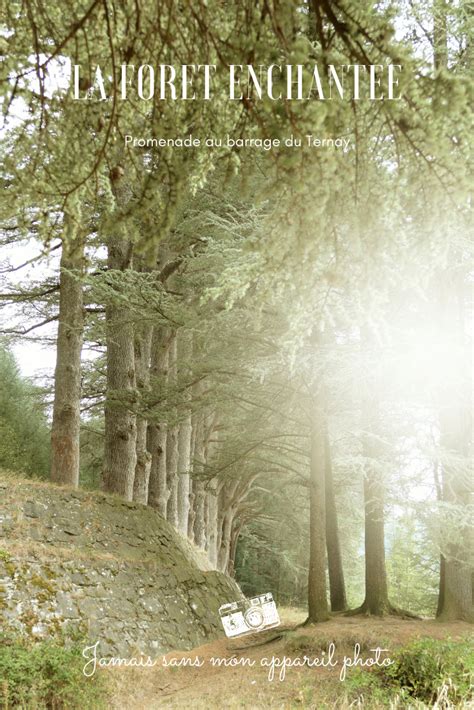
x: 199, y: 526
x: 143, y: 339
x: 65, y: 429
x: 440, y: 496
x: 317, y: 591
x: 376, y: 590
x: 184, y: 437
x: 455, y: 601
x: 199, y: 500
x: 212, y: 502
x: 191, y: 513
x: 120, y: 456
x: 226, y: 526
x: 184, y: 468
x: 337, y: 588
x: 200, y: 443
x: 230, y: 519
x: 456, y: 591
x: 157, y: 431
x: 236, y: 528
x: 212, y: 525
x: 172, y: 441
x: 206, y: 519
x: 441, y: 587
x: 192, y: 496
x: 157, y: 489
x: 376, y: 600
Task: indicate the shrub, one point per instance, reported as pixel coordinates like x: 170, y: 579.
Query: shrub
x: 46, y: 676
x: 24, y: 430
x: 4, y: 555
x: 365, y: 689
x: 425, y: 667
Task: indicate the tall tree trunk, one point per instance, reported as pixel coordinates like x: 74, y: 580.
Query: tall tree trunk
x: 440, y: 496
x: 191, y: 513
x: 455, y: 601
x: 143, y: 338
x: 376, y: 600
x: 211, y: 508
x: 337, y: 588
x: 317, y: 590
x: 185, y: 435
x: 67, y: 377
x: 234, y: 538
x: 228, y: 500
x: 212, y: 525
x: 199, y: 526
x: 192, y: 493
x: 120, y: 455
x: 158, y: 490
x: 224, y: 552
x: 441, y: 586
x: 456, y: 590
x: 157, y: 431
x: 376, y: 590
x: 206, y: 520
x: 184, y: 468
x: 172, y: 440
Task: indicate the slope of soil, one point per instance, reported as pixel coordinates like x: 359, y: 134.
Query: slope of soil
x: 249, y: 686
x: 90, y: 564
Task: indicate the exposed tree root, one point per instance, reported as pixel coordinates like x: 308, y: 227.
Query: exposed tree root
x: 359, y: 611
x: 386, y: 610
x: 404, y: 613
x: 312, y: 622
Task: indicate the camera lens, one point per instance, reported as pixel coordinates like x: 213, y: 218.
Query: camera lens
x: 254, y: 617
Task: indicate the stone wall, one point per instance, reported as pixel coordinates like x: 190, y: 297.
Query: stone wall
x: 91, y: 564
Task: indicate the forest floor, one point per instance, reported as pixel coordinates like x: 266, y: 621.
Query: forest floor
x: 248, y: 685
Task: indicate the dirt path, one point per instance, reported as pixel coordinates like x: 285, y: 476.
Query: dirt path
x: 247, y: 684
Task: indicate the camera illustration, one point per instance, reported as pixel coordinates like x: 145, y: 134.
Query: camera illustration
x: 249, y: 615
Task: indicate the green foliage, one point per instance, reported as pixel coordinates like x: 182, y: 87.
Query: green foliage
x: 413, y: 568
x: 4, y: 555
x: 427, y: 667
x: 46, y: 676
x: 426, y: 673
x: 365, y: 689
x: 24, y: 432
x: 268, y: 559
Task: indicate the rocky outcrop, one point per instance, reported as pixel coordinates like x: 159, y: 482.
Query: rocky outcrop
x: 91, y: 565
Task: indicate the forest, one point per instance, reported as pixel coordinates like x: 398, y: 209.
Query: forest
x: 271, y: 348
